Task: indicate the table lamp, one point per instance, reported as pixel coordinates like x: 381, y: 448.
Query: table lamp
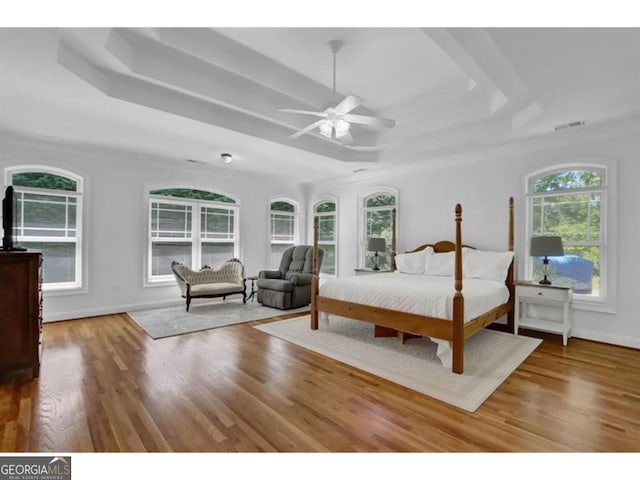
x: 376, y: 244
x: 546, y: 246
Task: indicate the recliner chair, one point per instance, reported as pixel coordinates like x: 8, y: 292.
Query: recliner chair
x: 290, y: 285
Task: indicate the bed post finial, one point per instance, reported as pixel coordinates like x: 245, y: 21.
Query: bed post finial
x: 458, y: 257
x: 314, y: 278
x: 511, y: 229
x: 458, y: 301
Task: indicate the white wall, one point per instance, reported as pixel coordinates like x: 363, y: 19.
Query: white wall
x: 116, y: 218
x: 427, y: 196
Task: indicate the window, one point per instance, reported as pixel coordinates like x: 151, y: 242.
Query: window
x: 378, y: 219
x: 49, y: 218
x: 571, y: 203
x: 194, y: 227
x: 327, y: 233
x: 283, y: 228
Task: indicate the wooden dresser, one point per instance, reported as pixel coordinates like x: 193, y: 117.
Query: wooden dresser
x: 20, y: 311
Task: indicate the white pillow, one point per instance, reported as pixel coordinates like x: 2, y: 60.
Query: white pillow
x: 440, y: 264
x: 414, y: 262
x: 486, y: 265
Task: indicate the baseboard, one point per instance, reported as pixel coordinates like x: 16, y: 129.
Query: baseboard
x: 94, y: 312
x: 605, y: 338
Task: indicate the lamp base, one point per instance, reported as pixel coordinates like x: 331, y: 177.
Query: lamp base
x: 545, y: 281
x: 375, y: 267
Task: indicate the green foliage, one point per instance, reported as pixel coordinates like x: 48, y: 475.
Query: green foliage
x: 574, y: 216
x: 282, y: 207
x: 326, y: 207
x: 43, y: 180
x: 379, y: 225
x: 567, y: 180
x: 381, y: 200
x: 193, y: 194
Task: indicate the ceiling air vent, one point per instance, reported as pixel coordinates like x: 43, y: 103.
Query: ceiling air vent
x: 569, y: 125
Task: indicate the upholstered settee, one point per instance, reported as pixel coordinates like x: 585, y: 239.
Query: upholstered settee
x: 228, y: 279
x: 290, y: 285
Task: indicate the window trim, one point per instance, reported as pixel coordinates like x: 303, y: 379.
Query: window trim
x: 316, y: 203
x: 604, y: 303
x: 196, y: 240
x: 296, y: 227
x: 79, y: 285
x: 362, y: 229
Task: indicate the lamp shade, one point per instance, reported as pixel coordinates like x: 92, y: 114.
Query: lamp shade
x: 376, y: 244
x: 546, y: 246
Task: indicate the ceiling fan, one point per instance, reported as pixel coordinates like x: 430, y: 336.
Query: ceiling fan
x: 335, y: 122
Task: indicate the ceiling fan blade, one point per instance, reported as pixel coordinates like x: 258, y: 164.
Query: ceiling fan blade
x: 304, y: 112
x: 306, y: 129
x: 345, y: 139
x: 348, y: 104
x: 370, y: 121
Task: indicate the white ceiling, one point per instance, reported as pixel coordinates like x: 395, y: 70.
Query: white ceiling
x: 193, y: 93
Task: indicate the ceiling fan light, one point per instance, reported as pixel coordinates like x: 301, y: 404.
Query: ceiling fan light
x: 342, y: 128
x: 325, y: 129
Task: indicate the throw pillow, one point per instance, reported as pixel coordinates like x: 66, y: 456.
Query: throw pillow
x: 486, y: 265
x: 440, y: 264
x: 414, y: 262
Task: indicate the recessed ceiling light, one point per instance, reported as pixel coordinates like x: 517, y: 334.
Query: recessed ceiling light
x: 226, y: 158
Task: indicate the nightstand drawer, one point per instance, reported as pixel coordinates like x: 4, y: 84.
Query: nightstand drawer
x: 545, y: 293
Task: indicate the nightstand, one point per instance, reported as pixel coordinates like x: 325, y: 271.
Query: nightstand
x: 369, y: 271
x: 533, y: 293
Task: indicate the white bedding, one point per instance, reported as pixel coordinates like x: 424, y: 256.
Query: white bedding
x: 431, y: 296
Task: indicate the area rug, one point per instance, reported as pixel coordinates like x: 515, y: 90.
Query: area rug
x: 489, y: 357
x: 171, y: 321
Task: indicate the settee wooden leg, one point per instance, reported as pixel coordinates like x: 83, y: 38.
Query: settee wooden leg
x: 188, y: 303
x: 244, y: 297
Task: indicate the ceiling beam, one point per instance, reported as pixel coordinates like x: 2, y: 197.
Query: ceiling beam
x: 142, y: 92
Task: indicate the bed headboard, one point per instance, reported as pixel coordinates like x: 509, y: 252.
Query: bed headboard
x: 443, y: 246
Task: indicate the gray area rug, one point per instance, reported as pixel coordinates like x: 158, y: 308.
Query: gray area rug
x: 489, y: 357
x: 171, y: 321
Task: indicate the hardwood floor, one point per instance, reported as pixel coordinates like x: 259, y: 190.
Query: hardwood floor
x: 105, y: 386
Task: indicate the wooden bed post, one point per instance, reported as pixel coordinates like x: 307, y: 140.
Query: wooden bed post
x: 393, y: 240
x: 314, y: 278
x: 458, y: 300
x: 511, y: 272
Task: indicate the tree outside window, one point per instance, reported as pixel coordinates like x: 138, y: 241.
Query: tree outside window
x: 327, y: 234
x: 49, y: 219
x: 569, y: 203
x: 193, y: 227
x: 283, y: 230
x: 378, y: 222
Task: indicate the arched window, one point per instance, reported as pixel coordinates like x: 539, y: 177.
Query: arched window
x: 49, y: 218
x: 194, y: 227
x: 283, y: 221
x: 570, y: 202
x: 377, y: 223
x: 327, y: 235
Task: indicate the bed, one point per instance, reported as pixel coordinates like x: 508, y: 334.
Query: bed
x: 415, y: 305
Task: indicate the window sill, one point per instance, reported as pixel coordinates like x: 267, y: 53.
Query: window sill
x: 49, y: 291
x: 159, y: 283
